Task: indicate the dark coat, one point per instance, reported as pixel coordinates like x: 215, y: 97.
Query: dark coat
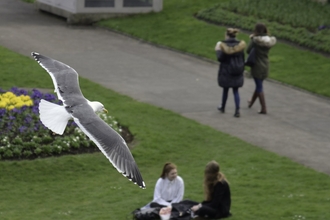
x: 221, y: 200
x: 262, y: 45
x: 231, y: 57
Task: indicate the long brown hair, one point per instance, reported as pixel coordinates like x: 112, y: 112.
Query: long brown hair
x: 212, y: 176
x: 167, y: 168
x: 260, y: 29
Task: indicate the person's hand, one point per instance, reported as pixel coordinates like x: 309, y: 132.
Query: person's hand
x: 196, y: 207
x: 217, y: 46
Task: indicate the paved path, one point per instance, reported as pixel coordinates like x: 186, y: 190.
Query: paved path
x: 297, y: 125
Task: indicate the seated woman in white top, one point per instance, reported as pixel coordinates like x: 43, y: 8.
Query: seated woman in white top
x: 169, y: 187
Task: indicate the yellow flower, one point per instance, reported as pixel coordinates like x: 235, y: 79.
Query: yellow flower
x: 15, y: 100
x: 5, y: 100
x: 19, y: 104
x: 10, y: 107
x: 25, y: 97
x: 3, y: 104
x: 8, y: 95
x: 10, y: 101
x: 28, y: 103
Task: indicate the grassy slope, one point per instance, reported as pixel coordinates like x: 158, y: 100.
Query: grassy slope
x: 264, y: 185
x: 176, y: 27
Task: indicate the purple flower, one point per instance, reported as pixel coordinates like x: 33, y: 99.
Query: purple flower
x: 322, y: 27
x: 36, y: 94
x: 12, y: 117
x: 15, y: 90
x: 28, y: 119
x: 49, y: 97
x: 2, y: 111
x: 72, y: 123
x: 22, y: 129
x: 22, y: 92
x: 17, y: 110
x: 35, y: 110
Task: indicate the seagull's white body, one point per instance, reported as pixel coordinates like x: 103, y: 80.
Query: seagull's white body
x: 82, y: 111
x: 56, y: 118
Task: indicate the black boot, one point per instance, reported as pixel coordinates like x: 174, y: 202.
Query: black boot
x: 237, y: 114
x: 221, y: 109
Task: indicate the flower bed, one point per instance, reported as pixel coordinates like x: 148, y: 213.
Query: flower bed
x: 23, y: 136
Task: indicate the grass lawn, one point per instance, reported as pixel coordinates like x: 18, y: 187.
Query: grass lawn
x: 263, y: 184
x: 177, y: 28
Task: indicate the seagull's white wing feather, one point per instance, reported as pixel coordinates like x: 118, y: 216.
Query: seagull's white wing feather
x: 53, y: 116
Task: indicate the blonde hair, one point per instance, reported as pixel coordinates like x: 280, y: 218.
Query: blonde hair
x: 231, y: 32
x: 212, y: 176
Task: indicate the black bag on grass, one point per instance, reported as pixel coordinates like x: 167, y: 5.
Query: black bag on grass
x: 146, y: 214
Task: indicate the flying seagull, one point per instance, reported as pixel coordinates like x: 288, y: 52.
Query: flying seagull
x: 82, y: 111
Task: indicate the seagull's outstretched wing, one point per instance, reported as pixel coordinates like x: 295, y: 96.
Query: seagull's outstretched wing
x: 112, y: 145
x: 65, y: 79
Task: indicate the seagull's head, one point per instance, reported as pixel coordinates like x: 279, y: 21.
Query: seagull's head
x: 98, y: 107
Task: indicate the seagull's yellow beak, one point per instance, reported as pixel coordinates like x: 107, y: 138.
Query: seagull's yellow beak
x: 104, y: 110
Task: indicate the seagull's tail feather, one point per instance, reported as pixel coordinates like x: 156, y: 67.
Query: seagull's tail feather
x: 53, y: 116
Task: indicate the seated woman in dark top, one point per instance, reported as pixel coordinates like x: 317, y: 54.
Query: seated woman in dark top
x: 217, y: 194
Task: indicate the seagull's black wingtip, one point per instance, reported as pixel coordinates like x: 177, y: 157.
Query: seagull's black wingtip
x: 36, y: 56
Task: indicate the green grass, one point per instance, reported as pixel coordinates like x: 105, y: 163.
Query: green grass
x: 29, y: 1
x: 177, y: 28
x: 263, y: 184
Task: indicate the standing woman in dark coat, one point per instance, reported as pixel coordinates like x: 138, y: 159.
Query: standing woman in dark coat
x: 262, y: 43
x: 217, y: 194
x: 230, y: 54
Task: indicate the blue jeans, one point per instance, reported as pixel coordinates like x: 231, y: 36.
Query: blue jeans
x: 258, y: 83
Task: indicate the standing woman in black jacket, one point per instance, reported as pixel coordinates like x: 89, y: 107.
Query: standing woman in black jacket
x: 217, y: 194
x: 230, y: 54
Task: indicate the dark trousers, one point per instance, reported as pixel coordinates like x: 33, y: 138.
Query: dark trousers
x: 206, y: 212
x: 225, y: 96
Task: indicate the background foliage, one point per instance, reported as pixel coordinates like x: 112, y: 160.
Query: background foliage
x: 307, y: 30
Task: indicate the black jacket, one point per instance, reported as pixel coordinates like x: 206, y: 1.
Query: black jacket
x: 231, y: 58
x: 221, y: 200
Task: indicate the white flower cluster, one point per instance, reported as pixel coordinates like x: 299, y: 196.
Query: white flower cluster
x: 5, y: 143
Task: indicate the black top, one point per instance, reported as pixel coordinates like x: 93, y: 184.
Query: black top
x: 221, y: 199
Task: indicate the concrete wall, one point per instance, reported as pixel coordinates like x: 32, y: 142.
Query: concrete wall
x: 76, y: 12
